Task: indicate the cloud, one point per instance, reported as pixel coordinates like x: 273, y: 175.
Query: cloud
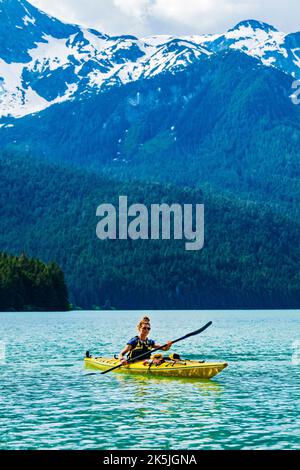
x: 199, y: 14
x: 143, y: 17
x: 133, y: 8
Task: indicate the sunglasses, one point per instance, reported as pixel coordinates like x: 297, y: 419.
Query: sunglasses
x: 146, y: 328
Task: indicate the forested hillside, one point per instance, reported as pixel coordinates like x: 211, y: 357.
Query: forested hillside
x: 250, y: 258
x: 29, y: 284
x: 226, y: 121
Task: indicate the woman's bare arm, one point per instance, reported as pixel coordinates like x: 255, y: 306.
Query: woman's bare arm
x: 126, y: 350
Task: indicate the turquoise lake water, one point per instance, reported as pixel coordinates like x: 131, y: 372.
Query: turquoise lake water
x: 47, y: 400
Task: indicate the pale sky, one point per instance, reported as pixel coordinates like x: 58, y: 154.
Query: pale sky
x: 178, y: 17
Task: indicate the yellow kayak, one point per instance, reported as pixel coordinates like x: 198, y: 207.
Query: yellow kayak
x: 169, y: 368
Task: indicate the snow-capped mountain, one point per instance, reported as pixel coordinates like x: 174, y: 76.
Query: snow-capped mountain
x: 265, y: 43
x: 44, y: 61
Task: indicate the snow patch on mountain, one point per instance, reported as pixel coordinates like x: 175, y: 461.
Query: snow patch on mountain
x: 27, y: 19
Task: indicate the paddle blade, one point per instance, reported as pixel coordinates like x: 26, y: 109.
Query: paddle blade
x: 202, y: 329
x: 194, y: 333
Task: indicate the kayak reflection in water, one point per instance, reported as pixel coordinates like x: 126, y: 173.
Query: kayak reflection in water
x: 141, y: 344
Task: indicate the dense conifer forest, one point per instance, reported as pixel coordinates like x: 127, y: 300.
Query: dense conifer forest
x: 28, y: 284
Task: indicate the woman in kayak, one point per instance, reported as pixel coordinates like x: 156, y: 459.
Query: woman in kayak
x: 141, y: 344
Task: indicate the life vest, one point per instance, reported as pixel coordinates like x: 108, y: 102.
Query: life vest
x: 142, y: 347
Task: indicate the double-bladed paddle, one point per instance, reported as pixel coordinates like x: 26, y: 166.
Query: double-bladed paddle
x: 158, y: 349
